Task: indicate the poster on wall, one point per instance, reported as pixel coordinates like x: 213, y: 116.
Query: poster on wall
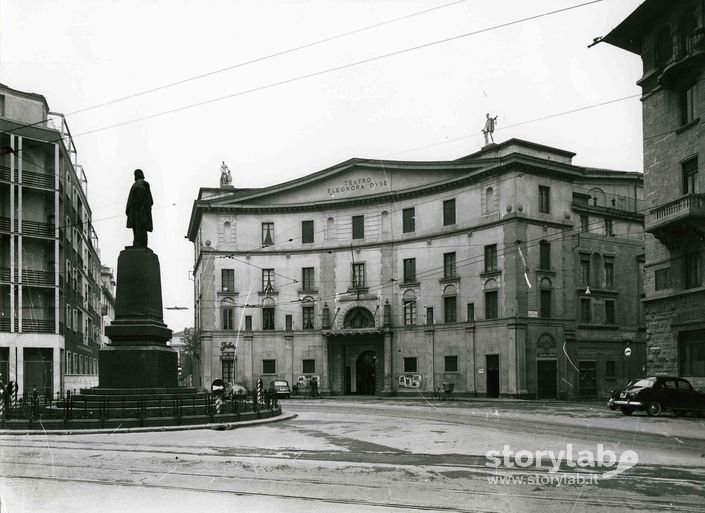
x: 410, y: 381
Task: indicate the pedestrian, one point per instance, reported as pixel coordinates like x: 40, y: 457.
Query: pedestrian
x: 35, y: 394
x: 314, y: 387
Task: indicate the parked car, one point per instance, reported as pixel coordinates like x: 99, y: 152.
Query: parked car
x: 657, y: 394
x: 279, y: 388
x: 235, y: 390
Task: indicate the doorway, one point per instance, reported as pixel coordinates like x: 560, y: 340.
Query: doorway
x: 38, y: 370
x: 366, y: 373
x: 492, y: 370
x: 547, y: 379
x: 587, y: 379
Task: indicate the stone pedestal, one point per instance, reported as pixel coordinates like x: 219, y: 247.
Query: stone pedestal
x: 138, y: 356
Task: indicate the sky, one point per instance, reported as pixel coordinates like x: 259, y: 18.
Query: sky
x: 279, y: 89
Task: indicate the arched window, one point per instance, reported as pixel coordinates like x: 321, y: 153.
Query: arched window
x: 664, y: 46
x: 386, y: 222
x: 409, y: 305
x: 227, y: 314
x: 450, y: 304
x: 307, y: 313
x: 227, y: 232
x: 330, y: 229
x: 268, y: 314
x: 489, y: 200
x: 359, y: 317
x: 545, y: 298
x: 546, y: 345
x: 597, y: 197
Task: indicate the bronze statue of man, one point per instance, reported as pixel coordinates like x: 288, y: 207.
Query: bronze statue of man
x: 139, y: 210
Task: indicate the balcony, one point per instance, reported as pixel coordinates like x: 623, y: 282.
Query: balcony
x: 30, y: 277
x: 677, y: 222
x: 686, y: 60
x: 29, y: 178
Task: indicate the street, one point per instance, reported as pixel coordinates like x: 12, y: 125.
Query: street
x: 367, y: 455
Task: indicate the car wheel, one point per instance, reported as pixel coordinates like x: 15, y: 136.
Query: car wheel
x: 627, y: 411
x: 654, y: 409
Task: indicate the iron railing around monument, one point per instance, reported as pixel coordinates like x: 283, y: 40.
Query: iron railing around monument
x: 72, y: 406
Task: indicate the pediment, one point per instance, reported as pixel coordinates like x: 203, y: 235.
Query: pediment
x: 352, y: 180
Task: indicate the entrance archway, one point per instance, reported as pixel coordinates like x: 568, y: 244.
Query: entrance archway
x: 365, y: 373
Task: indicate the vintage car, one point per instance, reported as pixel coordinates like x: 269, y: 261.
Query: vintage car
x: 279, y: 388
x: 657, y: 394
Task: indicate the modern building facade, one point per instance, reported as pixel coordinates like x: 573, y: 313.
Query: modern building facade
x: 509, y: 272
x: 49, y: 266
x: 670, y: 38
x: 107, y: 301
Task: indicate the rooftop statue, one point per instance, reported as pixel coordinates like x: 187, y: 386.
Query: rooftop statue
x: 225, y: 176
x: 139, y: 210
x: 489, y: 129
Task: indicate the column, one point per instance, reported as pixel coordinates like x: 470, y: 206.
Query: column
x: 387, y: 390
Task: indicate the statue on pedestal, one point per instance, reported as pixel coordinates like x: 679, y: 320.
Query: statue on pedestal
x: 139, y: 210
x: 225, y: 176
x: 489, y: 129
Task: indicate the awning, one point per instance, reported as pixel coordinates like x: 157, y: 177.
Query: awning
x: 352, y: 331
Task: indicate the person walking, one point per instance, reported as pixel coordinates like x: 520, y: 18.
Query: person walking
x: 314, y: 387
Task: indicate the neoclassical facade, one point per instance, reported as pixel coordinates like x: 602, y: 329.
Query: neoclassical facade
x: 509, y: 272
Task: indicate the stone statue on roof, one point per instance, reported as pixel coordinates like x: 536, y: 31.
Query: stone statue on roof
x: 225, y: 176
x: 489, y: 129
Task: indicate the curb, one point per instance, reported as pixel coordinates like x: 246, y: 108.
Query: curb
x: 216, y: 426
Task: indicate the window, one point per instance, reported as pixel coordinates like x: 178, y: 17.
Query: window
x: 267, y: 234
x: 692, y: 264
x: 409, y: 303
x: 429, y: 316
x: 307, y: 232
x: 609, y: 311
x: 609, y: 274
x: 546, y: 299
x: 2, y: 105
x: 409, y: 270
x: 450, y: 309
x: 688, y: 102
x: 268, y: 317
x: 686, y: 29
x: 307, y: 278
x: 585, y: 269
x: 227, y: 315
x: 358, y: 277
x: 585, y: 304
x: 227, y: 278
x: 267, y: 280
x: 610, y: 369
x: 491, y: 304
x: 449, y: 265
x: 69, y: 363
x: 451, y: 364
x: 448, y: 212
x: 544, y: 199
x: 471, y: 312
x: 408, y: 220
x: 410, y: 365
x: 491, y: 258
x: 662, y: 277
x: 269, y: 366
x: 308, y: 366
x: 248, y: 323
x: 228, y: 370
x: 544, y: 255
x: 307, y: 317
x: 691, y: 354
x: 690, y: 176
x: 288, y: 322
x: 584, y: 223
x: 358, y: 227
x: 609, y: 227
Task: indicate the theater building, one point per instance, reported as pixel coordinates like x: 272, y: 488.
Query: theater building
x: 509, y: 272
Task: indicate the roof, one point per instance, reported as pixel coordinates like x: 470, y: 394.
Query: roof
x: 32, y: 96
x: 628, y: 34
x: 518, y: 142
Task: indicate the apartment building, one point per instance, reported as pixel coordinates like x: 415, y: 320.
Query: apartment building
x: 49, y: 265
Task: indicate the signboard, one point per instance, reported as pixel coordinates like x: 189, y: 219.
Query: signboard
x: 227, y: 355
x: 218, y: 386
x: 533, y: 314
x: 356, y: 185
x: 481, y: 370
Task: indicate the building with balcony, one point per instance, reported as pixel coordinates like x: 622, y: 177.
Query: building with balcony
x: 49, y: 266
x: 509, y: 272
x: 670, y: 38
x: 107, y: 301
